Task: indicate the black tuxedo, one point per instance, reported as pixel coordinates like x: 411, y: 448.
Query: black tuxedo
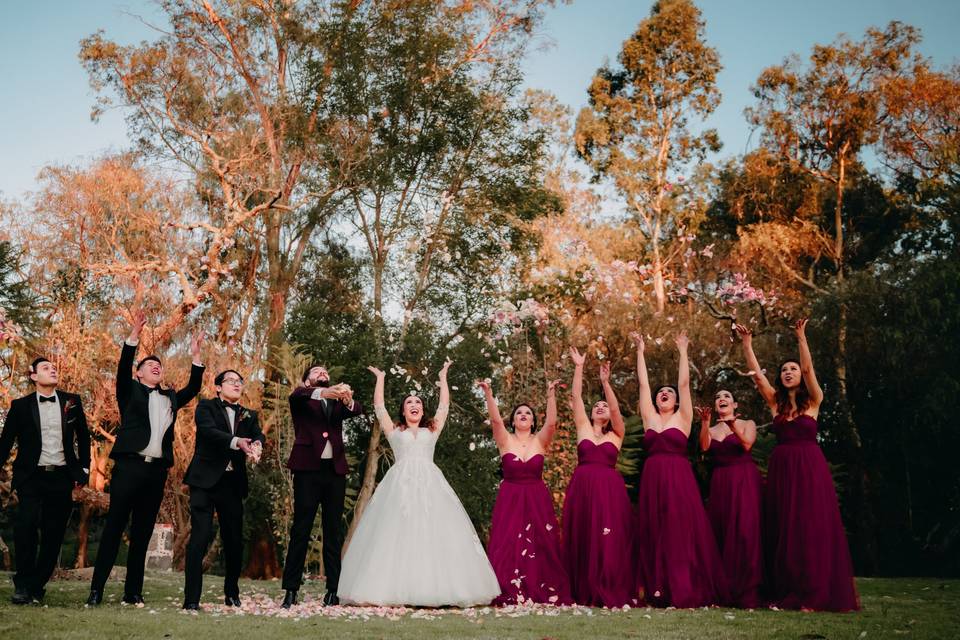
x: 133, y: 400
x: 212, y: 451
x: 23, y: 427
x: 136, y: 484
x: 44, y: 493
x: 214, y: 488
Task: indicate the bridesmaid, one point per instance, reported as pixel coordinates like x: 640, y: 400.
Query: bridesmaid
x: 678, y: 561
x: 597, y: 527
x: 524, y: 546
x: 807, y: 559
x: 735, y: 498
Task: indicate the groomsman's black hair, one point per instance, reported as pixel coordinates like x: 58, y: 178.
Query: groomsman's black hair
x: 34, y: 365
x: 218, y: 381
x: 148, y: 358
x: 306, y: 372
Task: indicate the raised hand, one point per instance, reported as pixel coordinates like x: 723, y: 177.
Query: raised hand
x: 745, y: 334
x: 605, y: 373
x: 196, y: 343
x: 706, y: 415
x: 137, y: 321
x: 484, y: 386
x: 376, y: 372
x: 800, y: 327
x: 638, y: 341
x: 578, y: 359
x: 445, y: 368
x: 552, y: 386
x: 682, y: 340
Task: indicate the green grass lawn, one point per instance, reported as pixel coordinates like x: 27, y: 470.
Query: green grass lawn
x: 892, y: 608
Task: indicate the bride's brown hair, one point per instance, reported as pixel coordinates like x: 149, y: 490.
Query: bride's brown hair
x: 401, y: 422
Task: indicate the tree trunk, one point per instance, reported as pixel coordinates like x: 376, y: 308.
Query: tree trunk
x: 368, y: 481
x: 659, y: 288
x: 83, y: 534
x: 861, y: 513
x: 263, y: 563
x: 4, y: 556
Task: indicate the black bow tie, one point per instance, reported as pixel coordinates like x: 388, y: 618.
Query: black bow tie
x: 235, y: 407
x: 47, y: 399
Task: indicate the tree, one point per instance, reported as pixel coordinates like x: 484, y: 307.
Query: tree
x: 219, y: 96
x: 636, y: 131
x: 820, y: 119
x: 443, y: 171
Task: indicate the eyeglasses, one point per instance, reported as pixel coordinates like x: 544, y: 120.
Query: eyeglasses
x: 236, y: 381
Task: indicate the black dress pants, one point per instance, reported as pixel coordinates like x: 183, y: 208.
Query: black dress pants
x: 46, y: 499
x: 225, y: 499
x: 136, y: 491
x: 324, y: 489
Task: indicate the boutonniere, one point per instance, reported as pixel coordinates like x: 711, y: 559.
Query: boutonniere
x: 69, y: 404
x: 243, y: 415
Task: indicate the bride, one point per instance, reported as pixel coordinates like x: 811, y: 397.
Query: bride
x: 415, y: 544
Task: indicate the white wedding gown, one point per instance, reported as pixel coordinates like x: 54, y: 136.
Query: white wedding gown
x: 415, y: 544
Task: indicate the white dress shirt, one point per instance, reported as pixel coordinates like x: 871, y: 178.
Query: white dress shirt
x: 51, y: 433
x: 327, y: 452
x: 161, y: 417
x: 231, y: 420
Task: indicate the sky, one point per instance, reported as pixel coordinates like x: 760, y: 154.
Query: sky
x: 45, y: 99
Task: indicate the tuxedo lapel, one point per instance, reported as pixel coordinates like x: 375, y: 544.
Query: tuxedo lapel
x: 172, y: 396
x: 62, y: 400
x: 35, y: 412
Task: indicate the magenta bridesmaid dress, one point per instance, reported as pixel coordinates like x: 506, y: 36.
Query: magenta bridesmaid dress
x: 524, y: 546
x: 807, y: 558
x: 678, y: 561
x: 736, y: 496
x: 598, y: 529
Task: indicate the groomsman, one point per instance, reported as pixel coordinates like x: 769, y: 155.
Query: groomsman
x: 319, y: 466
x: 53, y: 454
x: 227, y: 433
x: 143, y: 454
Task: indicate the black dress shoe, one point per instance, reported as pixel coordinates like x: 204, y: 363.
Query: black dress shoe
x: 36, y: 596
x: 289, y: 598
x: 20, y: 596
x: 95, y: 598
x: 191, y: 606
x: 231, y: 601
x: 330, y: 599
x: 134, y: 599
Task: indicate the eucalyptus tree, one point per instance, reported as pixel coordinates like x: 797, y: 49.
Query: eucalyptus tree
x: 637, y: 130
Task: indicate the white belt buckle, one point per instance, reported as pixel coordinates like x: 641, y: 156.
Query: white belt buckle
x: 148, y: 458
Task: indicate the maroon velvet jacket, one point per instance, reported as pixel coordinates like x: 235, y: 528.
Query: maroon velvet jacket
x: 313, y: 427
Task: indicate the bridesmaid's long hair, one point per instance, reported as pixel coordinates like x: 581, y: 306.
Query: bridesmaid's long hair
x: 802, y: 396
x: 425, y: 422
x: 533, y: 429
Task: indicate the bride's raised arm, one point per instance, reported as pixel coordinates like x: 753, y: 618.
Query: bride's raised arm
x: 443, y: 407
x: 379, y: 404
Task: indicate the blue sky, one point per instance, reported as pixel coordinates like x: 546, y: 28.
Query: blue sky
x: 46, y: 100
